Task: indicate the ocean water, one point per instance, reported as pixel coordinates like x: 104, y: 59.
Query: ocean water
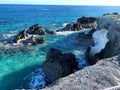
x: 15, y: 64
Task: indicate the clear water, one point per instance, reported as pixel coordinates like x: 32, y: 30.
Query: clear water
x: 15, y: 65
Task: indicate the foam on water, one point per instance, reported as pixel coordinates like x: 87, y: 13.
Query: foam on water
x: 66, y: 32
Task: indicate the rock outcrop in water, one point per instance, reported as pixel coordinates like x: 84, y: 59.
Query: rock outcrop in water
x: 82, y: 23
x: 36, y: 30
x: 20, y: 36
x: 59, y: 64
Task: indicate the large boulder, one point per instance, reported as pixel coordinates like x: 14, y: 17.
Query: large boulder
x: 20, y: 36
x: 36, y: 30
x: 104, y: 74
x: 106, y: 41
x: 86, y: 22
x: 58, y: 65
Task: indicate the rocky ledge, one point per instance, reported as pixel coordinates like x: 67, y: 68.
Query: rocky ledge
x: 82, y: 23
x: 104, y: 74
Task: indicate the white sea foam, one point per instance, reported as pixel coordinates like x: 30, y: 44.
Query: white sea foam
x: 37, y: 79
x: 66, y: 32
x: 100, y: 39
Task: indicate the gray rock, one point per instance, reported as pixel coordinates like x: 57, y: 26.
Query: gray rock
x: 104, y: 74
x: 112, y: 47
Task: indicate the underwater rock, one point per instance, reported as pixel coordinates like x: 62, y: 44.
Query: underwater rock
x: 20, y: 36
x: 59, y: 65
x: 36, y: 30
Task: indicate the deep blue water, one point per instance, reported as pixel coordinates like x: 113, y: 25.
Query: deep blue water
x: 14, y: 66
x: 17, y: 17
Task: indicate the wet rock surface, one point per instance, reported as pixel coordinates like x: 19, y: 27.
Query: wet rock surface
x: 59, y: 64
x: 82, y: 23
x: 21, y: 35
x: 36, y: 30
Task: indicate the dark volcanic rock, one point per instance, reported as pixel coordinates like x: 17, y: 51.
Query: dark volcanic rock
x: 34, y: 40
x: 59, y: 65
x: 86, y: 22
x: 53, y: 55
x: 20, y: 36
x: 36, y: 30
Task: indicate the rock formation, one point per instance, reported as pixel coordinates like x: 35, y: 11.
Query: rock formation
x: 20, y: 36
x: 83, y: 22
x: 36, y: 30
x: 58, y: 64
x: 104, y: 74
x: 109, y: 46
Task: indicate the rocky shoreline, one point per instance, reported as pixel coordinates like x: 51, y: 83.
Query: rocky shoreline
x: 60, y: 71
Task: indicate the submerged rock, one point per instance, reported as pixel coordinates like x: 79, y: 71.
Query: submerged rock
x: 59, y: 65
x: 104, y: 74
x: 36, y: 30
x: 20, y: 36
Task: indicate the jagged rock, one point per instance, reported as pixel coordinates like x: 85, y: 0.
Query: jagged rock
x: 104, y: 74
x: 59, y: 65
x: 22, y: 35
x: 36, y: 30
x: 34, y: 40
x: 112, y: 46
x: 86, y: 22
x: 50, y: 32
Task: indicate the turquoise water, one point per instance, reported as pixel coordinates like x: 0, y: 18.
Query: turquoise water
x: 15, y: 64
